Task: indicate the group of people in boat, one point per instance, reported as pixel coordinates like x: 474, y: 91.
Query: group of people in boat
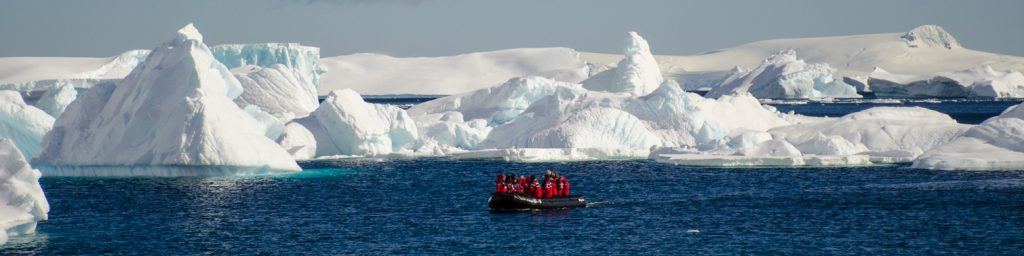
x: 553, y: 185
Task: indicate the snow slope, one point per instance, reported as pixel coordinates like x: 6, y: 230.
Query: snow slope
x: 22, y: 203
x: 637, y: 73
x: 921, y: 51
x: 369, y: 73
x: 25, y: 125
x: 175, y: 108
x: 996, y: 144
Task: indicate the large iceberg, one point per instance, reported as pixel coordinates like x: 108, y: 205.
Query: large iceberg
x: 783, y: 75
x: 983, y: 81
x: 636, y: 74
x: 22, y: 203
x: 175, y: 108
x: 279, y: 78
x: 344, y: 124
x: 25, y: 125
x: 996, y: 144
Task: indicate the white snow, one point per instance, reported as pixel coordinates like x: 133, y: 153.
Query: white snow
x: 636, y: 74
x: 25, y: 125
x: 983, y: 81
x: 22, y: 203
x: 344, y: 124
x: 375, y: 74
x: 783, y: 75
x: 28, y: 73
x: 175, y: 108
x: 996, y: 144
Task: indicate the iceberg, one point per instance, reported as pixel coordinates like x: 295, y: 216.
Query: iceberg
x: 55, y: 99
x: 22, y: 203
x: 783, y: 75
x: 276, y: 90
x: 175, y: 108
x: 344, y: 124
x: 279, y: 78
x: 983, y: 81
x: 636, y: 74
x: 879, y: 131
x: 25, y: 125
x: 996, y: 144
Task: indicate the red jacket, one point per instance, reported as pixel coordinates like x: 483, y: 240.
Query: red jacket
x: 549, y: 188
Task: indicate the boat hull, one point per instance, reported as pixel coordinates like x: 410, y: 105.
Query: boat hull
x: 515, y: 202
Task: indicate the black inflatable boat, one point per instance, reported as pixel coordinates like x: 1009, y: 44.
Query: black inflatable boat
x: 516, y: 202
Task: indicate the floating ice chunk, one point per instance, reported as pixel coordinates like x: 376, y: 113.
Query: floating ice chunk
x: 879, y: 129
x: 22, y: 202
x: 174, y: 109
x: 782, y: 75
x: 344, y: 124
x: 553, y: 154
x: 996, y: 144
x: 497, y: 105
x: 637, y: 74
x: 452, y: 130
x: 834, y: 145
x: 25, y: 125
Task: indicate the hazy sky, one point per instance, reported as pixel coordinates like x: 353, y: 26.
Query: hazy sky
x: 445, y: 27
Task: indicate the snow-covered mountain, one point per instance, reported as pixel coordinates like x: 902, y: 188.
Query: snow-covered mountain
x: 381, y: 74
x: 923, y: 50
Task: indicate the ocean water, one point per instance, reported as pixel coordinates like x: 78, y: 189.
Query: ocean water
x: 438, y: 207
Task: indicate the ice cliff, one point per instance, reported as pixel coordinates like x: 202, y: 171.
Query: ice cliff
x: 981, y: 81
x: 175, y: 108
x: 279, y: 78
x: 22, y: 203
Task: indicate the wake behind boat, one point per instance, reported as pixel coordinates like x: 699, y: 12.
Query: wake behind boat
x: 519, y: 193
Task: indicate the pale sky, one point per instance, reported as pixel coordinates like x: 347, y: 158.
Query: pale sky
x: 445, y: 27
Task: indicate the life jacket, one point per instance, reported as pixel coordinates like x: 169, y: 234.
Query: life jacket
x: 566, y: 192
x: 499, y: 184
x: 561, y: 187
x: 521, y: 185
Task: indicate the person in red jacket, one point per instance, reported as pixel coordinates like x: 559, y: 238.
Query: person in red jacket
x: 521, y: 185
x: 538, y: 191
x: 499, y: 185
x: 565, y: 189
x: 560, y: 183
x: 549, y: 188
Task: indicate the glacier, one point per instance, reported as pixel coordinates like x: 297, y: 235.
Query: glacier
x: 175, y: 108
x: 24, y: 124
x: 783, y: 75
x: 995, y: 144
x: 22, y: 202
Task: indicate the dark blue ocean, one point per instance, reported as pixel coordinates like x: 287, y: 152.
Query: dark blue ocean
x: 438, y: 207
